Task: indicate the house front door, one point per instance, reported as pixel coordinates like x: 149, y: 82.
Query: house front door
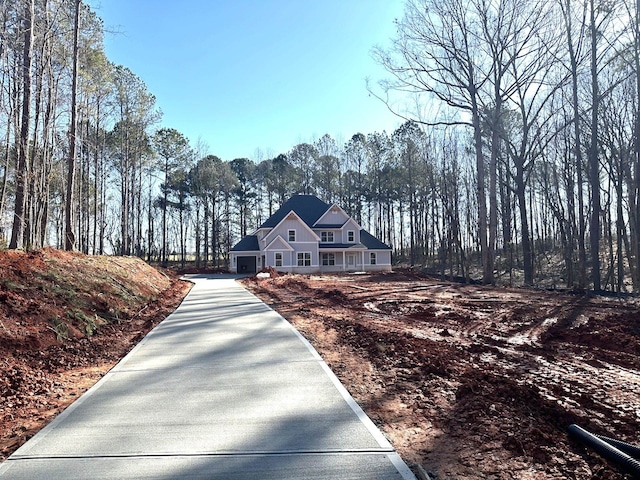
x: 351, y: 261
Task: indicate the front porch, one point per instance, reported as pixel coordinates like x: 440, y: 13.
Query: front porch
x: 358, y: 259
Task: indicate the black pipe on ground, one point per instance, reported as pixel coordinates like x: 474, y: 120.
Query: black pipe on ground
x: 628, y: 448
x: 626, y: 462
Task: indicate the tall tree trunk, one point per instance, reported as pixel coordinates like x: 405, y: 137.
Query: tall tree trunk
x: 570, y: 224
x: 635, y: 213
x: 198, y: 235
x: 527, y: 251
x: 96, y: 184
x: 31, y: 204
x: 493, y: 193
x: 487, y: 267
x: 165, y: 198
x: 594, y: 167
x: 619, y: 229
x: 22, y: 172
x: 139, y: 243
x: 582, y: 254
x: 69, y: 236
x: 205, y: 230
x: 183, y: 252
x: 150, y: 227
x: 412, y: 219
x: 215, y: 234
x: 5, y: 171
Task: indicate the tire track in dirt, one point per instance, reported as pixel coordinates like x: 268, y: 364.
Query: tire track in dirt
x: 475, y: 382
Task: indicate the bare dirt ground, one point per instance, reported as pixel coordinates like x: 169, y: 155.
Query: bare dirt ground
x: 65, y: 320
x: 468, y: 381
x: 471, y: 381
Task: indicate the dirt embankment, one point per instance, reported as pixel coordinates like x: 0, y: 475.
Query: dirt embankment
x: 65, y: 320
x: 475, y: 382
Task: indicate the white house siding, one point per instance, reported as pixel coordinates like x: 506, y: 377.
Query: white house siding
x: 290, y: 259
x: 352, y: 226
x: 383, y: 261
x: 378, y: 268
x: 286, y: 257
x: 261, y: 235
x: 337, y: 234
x: 306, y: 270
x: 290, y: 265
x: 383, y: 257
x: 304, y: 248
x: 339, y: 262
x: 362, y: 261
x: 303, y: 234
x: 335, y: 216
x: 331, y: 268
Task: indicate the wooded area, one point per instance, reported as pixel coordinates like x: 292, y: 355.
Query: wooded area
x: 527, y: 173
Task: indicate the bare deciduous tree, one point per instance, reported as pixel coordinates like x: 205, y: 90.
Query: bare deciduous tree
x: 438, y: 52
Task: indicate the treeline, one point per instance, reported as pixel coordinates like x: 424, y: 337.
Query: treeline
x: 548, y: 92
x: 525, y: 168
x: 75, y: 129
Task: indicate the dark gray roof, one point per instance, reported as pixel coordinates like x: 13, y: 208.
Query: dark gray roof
x: 371, y: 242
x: 329, y: 225
x: 308, y: 207
x: 367, y: 241
x: 247, y: 244
x: 339, y: 245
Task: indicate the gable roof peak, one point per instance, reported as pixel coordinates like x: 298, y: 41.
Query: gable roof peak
x: 308, y: 207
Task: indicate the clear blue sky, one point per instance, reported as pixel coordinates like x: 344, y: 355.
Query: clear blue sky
x: 256, y: 74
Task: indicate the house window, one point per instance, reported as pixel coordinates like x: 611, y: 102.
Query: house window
x: 328, y: 259
x: 292, y: 235
x: 326, y: 237
x: 351, y: 236
x: 304, y: 259
x: 278, y: 259
x: 372, y: 258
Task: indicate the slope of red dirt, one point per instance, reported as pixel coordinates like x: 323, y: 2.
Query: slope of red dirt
x: 65, y: 320
x: 471, y: 381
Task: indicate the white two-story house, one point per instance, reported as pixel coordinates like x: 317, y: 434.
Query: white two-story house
x: 306, y: 235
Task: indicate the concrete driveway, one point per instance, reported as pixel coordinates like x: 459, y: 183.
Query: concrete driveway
x: 224, y: 388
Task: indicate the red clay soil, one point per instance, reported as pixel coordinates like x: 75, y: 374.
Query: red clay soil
x: 65, y: 320
x: 467, y: 381
x: 475, y: 382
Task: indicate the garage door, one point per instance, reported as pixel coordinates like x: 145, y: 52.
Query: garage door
x: 246, y: 264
